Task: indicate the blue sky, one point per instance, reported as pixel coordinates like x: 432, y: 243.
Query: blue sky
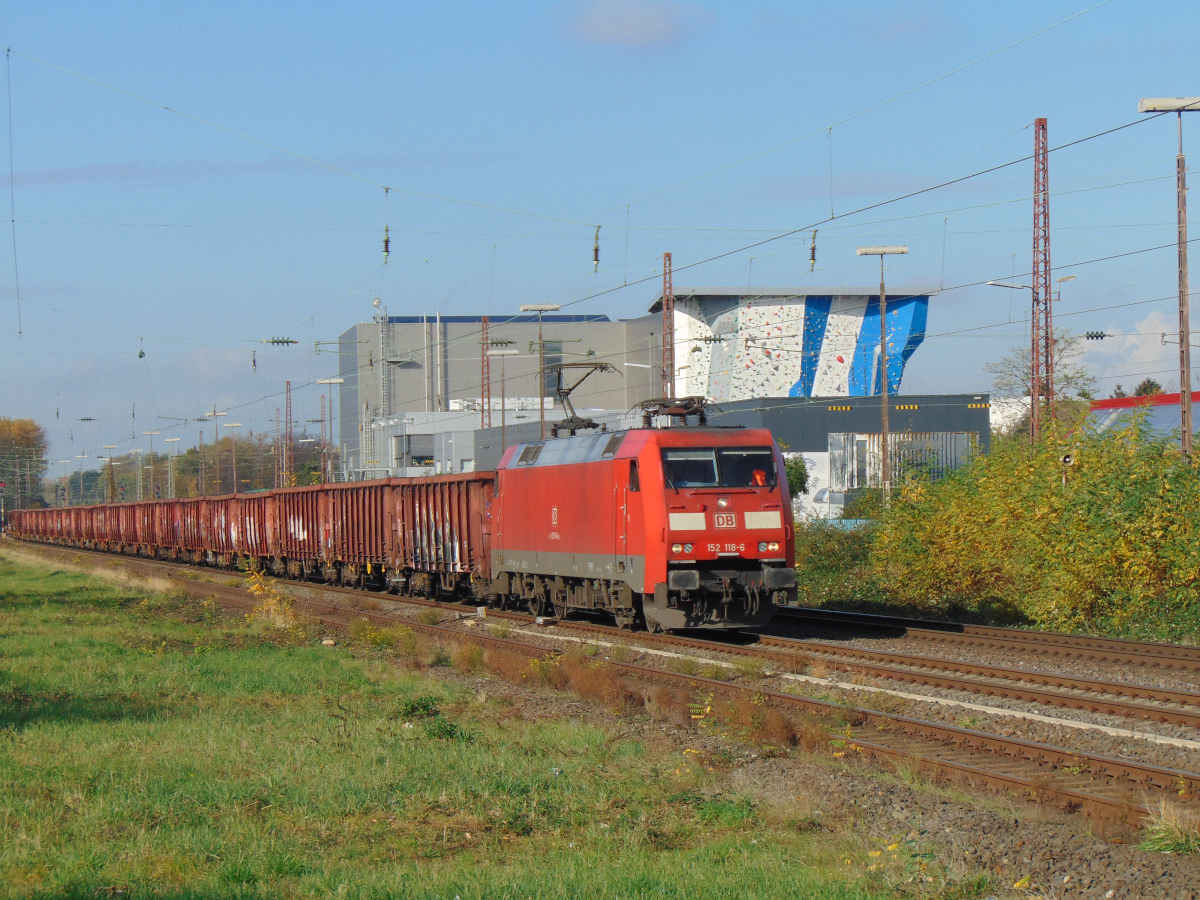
x: 142, y: 229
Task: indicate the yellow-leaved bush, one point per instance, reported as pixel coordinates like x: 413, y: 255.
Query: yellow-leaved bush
x: 1117, y: 546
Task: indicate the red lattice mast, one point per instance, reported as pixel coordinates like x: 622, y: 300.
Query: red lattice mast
x: 288, y: 467
x: 668, y: 330
x: 485, y: 371
x: 1041, y: 332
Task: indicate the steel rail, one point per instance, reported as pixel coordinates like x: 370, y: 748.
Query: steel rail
x: 1082, y: 767
x: 1113, y: 650
x: 1049, y: 679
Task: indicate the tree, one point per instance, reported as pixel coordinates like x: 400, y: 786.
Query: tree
x: 23, y: 462
x: 1148, y: 388
x: 797, y: 475
x: 1119, y: 393
x: 1013, y: 374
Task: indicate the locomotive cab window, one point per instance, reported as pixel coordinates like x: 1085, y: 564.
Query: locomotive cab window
x: 635, y: 483
x: 736, y: 467
x: 747, y: 467
x: 690, y: 468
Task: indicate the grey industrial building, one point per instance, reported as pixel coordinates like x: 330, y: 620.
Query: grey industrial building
x: 423, y: 375
x: 411, y: 399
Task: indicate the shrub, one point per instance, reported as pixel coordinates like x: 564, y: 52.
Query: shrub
x: 547, y: 672
x: 399, y: 637
x: 445, y: 730
x: 421, y: 707
x: 431, y: 616
x: 1109, y: 542
x: 500, y: 629
x: 467, y: 657
x: 833, y: 565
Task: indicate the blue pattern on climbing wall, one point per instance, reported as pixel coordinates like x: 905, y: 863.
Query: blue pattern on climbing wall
x: 905, y: 332
x: 816, y: 315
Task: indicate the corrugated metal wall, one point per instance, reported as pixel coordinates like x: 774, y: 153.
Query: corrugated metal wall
x: 856, y: 460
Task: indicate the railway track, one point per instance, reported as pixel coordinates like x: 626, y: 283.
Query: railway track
x: 1084, y: 647
x: 1126, y: 789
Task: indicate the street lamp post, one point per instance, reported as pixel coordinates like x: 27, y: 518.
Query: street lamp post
x: 171, y: 470
x: 540, y: 308
x: 1035, y: 371
x: 881, y: 252
x: 1180, y: 105
x: 151, y: 434
x: 81, y: 458
x: 233, y: 451
x: 139, y: 471
x: 326, y: 459
x: 503, y: 354
x: 111, y: 491
x: 66, y: 501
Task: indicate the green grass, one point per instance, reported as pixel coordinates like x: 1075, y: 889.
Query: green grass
x: 158, y: 747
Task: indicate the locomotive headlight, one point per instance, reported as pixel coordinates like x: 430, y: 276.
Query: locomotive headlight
x: 773, y: 546
x: 677, y: 548
x: 762, y: 546
x: 722, y: 502
x: 687, y: 548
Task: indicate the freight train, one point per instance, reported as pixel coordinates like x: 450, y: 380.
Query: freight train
x: 662, y: 528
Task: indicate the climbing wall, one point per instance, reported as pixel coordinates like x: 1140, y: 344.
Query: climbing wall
x: 742, y: 347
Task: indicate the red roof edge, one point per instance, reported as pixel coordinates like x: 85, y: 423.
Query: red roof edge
x: 1132, y: 402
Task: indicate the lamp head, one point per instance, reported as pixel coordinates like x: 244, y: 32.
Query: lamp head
x: 894, y: 250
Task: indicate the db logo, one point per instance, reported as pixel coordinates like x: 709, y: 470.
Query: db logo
x: 554, y: 515
x: 725, y: 520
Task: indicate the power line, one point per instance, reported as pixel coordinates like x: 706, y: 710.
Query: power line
x: 879, y: 105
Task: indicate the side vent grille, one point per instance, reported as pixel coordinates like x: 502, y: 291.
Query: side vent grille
x: 529, y: 455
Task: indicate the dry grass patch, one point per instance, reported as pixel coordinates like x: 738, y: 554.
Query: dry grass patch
x: 757, y: 722
x: 668, y: 704
x: 597, y: 683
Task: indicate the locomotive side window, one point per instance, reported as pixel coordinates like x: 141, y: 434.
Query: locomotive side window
x: 747, y: 467
x: 635, y: 483
x: 690, y: 468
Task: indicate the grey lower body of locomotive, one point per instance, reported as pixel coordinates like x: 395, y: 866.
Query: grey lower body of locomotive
x: 693, y: 597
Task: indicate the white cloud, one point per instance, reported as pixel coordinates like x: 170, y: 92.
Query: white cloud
x: 637, y: 25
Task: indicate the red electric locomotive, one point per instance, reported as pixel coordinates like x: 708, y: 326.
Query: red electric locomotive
x: 690, y: 527
x: 686, y: 527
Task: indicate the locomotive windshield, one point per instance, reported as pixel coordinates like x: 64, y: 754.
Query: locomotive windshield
x: 734, y: 467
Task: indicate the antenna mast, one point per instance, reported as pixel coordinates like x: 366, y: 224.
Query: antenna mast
x: 485, y: 364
